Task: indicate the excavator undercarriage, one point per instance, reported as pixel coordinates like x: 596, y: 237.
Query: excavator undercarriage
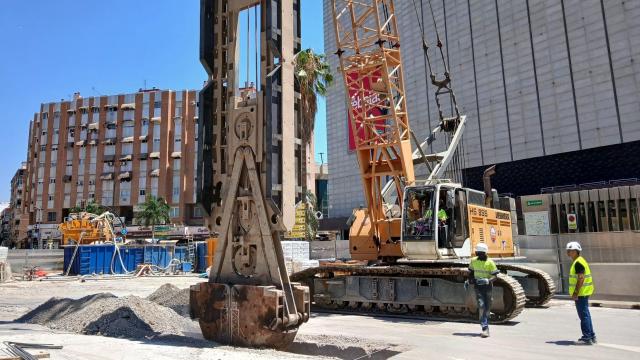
x: 433, y: 290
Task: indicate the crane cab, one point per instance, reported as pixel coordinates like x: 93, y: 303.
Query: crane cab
x: 443, y: 220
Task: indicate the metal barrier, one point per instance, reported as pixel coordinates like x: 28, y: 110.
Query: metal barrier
x: 614, y: 258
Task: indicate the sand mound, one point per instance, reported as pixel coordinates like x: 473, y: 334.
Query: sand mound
x: 105, y: 314
x: 172, y: 297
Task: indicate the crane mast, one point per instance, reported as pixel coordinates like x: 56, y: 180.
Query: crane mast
x: 368, y: 46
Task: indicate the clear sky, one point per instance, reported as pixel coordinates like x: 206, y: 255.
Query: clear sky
x: 51, y: 49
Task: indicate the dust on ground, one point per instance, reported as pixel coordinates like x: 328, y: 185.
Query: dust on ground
x: 162, y: 318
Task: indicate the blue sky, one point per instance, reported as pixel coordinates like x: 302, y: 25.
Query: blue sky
x: 51, y: 49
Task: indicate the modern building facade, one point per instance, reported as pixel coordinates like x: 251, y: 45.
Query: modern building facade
x: 551, y: 90
x: 114, y: 150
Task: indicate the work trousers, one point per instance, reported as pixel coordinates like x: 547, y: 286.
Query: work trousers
x: 483, y: 296
x: 582, y: 306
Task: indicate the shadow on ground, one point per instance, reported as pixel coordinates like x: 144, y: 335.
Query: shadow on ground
x: 562, y: 342
x: 466, y: 334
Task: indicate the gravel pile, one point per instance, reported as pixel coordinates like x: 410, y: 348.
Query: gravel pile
x: 172, y: 297
x: 108, y: 315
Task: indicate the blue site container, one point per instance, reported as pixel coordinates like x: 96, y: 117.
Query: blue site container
x: 89, y: 259
x: 97, y: 259
x: 158, y: 255
x: 182, y: 255
x: 201, y: 256
x: 131, y: 257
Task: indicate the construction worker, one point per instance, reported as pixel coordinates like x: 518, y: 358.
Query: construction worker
x: 580, y: 288
x: 442, y: 214
x: 482, y: 273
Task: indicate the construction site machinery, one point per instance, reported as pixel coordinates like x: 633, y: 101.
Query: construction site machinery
x: 85, y: 228
x: 251, y: 166
x: 419, y: 234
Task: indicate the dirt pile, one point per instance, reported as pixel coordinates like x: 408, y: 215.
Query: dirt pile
x: 172, y: 297
x: 108, y: 315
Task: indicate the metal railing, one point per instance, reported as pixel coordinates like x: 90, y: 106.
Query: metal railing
x: 590, y: 185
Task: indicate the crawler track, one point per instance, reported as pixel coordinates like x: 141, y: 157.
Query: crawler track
x: 513, y: 293
x: 546, y: 285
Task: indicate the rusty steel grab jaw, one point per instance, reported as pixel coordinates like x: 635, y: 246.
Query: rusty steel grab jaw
x: 259, y: 307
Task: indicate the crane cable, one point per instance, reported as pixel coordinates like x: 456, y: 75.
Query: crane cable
x: 443, y: 86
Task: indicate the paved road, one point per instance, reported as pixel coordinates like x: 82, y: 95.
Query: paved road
x: 537, y: 333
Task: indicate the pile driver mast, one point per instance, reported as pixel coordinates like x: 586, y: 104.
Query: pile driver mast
x: 251, y: 170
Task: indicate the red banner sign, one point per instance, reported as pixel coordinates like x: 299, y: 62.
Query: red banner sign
x: 360, y: 101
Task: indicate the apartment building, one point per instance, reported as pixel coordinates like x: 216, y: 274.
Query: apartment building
x: 15, y: 221
x: 114, y: 150
x: 4, y: 223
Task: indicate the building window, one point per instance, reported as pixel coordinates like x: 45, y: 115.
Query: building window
x: 143, y: 192
x: 52, y: 181
x: 174, y: 212
x: 43, y: 147
x: 197, y: 212
x: 51, y: 216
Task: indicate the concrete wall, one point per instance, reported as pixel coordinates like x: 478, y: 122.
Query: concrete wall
x: 535, y: 78
x: 327, y: 250
x: 48, y: 260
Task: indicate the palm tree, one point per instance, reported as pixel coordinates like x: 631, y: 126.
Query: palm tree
x: 155, y: 210
x: 314, y: 77
x: 311, y: 228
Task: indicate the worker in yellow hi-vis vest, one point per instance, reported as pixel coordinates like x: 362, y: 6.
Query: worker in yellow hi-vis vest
x: 580, y: 288
x: 482, y: 273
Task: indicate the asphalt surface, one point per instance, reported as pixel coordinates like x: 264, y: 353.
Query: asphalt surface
x: 536, y: 334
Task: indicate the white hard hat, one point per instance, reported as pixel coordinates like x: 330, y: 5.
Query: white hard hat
x: 574, y: 245
x: 482, y: 247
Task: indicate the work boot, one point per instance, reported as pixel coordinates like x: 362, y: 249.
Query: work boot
x: 485, y: 333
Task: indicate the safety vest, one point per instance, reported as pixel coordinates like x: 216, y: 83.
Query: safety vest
x: 483, y: 269
x: 442, y: 215
x: 587, y: 286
